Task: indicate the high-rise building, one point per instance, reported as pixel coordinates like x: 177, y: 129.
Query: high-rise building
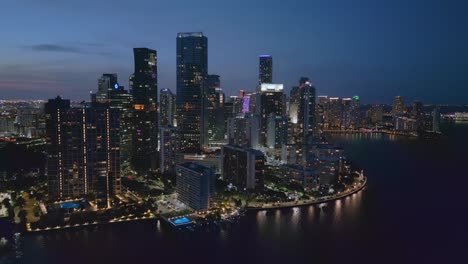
x: 213, y: 111
x: 322, y: 111
x: 83, y: 151
x: 244, y: 130
x: 106, y: 84
x: 195, y: 185
x: 265, y: 71
x: 270, y: 102
x: 168, y: 149
x: 167, y: 108
x: 192, y: 68
x: 277, y: 131
x: 334, y: 112
x: 243, y: 167
x: 144, y: 87
x: 110, y: 92
x: 306, y: 111
x: 355, y: 112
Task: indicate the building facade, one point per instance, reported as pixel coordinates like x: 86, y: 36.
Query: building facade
x: 195, y: 185
x: 192, y: 68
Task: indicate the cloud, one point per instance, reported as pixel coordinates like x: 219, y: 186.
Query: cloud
x: 54, y: 48
x: 79, y: 48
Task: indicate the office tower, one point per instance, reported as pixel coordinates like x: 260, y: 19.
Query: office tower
x: 192, y: 68
x: 110, y: 92
x: 244, y: 130
x: 195, y: 185
x: 213, y: 110
x: 306, y: 111
x: 167, y: 108
x: 436, y: 119
x: 144, y: 87
x: 398, y: 106
x: 265, y: 71
x: 270, y: 102
x: 243, y: 167
x: 168, y: 149
x: 83, y: 155
x: 277, y: 131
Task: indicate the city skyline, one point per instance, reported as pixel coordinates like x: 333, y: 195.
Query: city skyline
x: 372, y: 55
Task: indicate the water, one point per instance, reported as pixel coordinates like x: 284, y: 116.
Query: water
x: 412, y: 211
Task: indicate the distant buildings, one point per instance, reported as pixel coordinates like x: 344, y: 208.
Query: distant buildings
x: 195, y: 185
x: 398, y: 106
x: 243, y: 167
x: 192, y: 68
x: 436, y: 119
x: 83, y: 151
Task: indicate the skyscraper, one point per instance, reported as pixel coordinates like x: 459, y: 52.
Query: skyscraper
x: 192, y: 68
x: 270, y: 102
x: 265, y: 71
x: 166, y: 108
x: 213, y: 110
x: 144, y: 86
x: 110, y: 92
x: 83, y: 155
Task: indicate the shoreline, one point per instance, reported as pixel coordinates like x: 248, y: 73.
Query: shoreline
x: 308, y: 203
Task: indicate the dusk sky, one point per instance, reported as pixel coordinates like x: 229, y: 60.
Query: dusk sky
x: 375, y: 49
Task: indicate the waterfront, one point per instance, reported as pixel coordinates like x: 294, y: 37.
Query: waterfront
x: 412, y: 210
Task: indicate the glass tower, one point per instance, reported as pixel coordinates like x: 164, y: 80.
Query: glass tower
x: 265, y: 71
x: 192, y: 68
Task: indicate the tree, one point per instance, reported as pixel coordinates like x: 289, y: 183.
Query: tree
x: 6, y: 203
x: 22, y: 215
x: 20, y: 201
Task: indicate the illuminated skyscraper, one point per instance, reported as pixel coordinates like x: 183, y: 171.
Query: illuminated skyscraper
x: 213, y: 110
x: 110, y: 92
x: 265, y: 71
x: 144, y: 87
x: 166, y: 108
x: 270, y: 102
x: 192, y: 68
x: 83, y: 151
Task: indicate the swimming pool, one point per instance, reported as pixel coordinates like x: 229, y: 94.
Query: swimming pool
x: 74, y: 204
x: 181, y: 221
x: 70, y: 205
